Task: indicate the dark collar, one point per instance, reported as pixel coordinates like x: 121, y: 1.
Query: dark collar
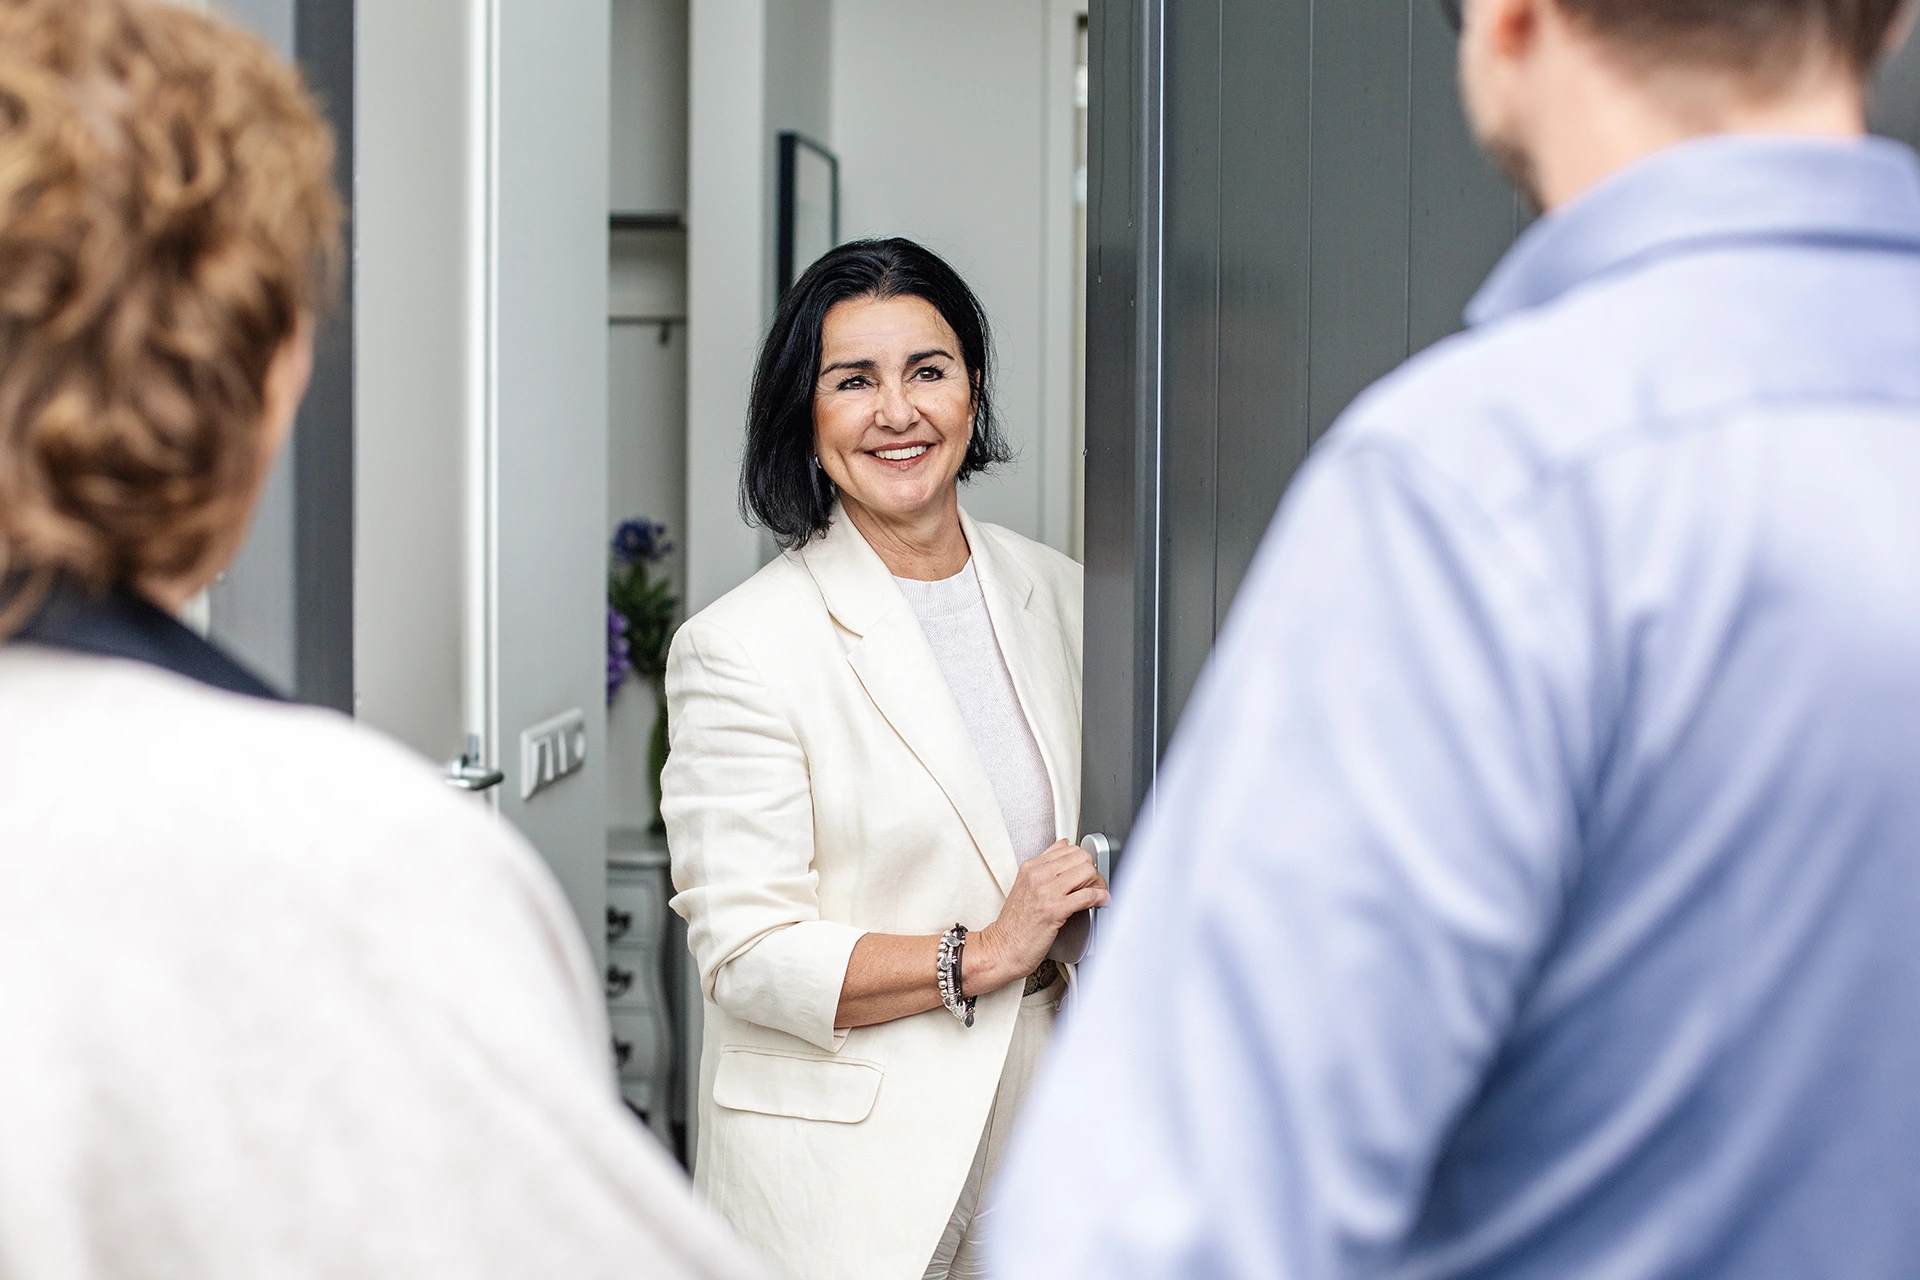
x: 123, y: 625
x: 1711, y: 192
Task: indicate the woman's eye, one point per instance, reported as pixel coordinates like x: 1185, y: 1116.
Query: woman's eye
x: 929, y: 374
x: 851, y: 384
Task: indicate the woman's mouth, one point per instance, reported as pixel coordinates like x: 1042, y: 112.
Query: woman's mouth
x: 906, y: 453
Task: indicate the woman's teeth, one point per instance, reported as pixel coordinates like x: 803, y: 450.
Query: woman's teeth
x: 901, y: 455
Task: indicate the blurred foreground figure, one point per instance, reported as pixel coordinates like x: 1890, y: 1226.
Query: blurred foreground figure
x: 273, y: 1001
x: 1532, y: 889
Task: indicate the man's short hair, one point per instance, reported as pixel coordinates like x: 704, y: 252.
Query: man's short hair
x: 1770, y: 40
x: 167, y: 220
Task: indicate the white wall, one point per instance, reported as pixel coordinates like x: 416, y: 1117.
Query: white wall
x: 799, y: 98
x: 726, y: 304
x: 647, y: 138
x: 965, y: 143
x: 647, y: 370
x: 757, y: 67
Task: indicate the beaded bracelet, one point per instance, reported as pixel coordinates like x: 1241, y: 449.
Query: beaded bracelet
x: 952, y: 943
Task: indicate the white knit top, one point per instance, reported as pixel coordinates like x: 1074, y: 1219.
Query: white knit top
x: 953, y: 614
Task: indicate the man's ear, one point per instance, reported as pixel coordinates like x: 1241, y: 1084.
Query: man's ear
x: 1898, y: 32
x: 1512, y: 25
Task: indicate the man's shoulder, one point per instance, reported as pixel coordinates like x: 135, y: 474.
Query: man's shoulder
x: 1501, y: 409
x: 1518, y: 403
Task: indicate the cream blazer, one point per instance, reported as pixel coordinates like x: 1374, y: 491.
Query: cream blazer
x: 821, y: 785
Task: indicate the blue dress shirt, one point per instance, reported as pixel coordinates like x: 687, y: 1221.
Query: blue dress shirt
x: 1533, y: 888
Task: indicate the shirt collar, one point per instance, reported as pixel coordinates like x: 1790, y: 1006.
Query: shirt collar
x: 123, y: 625
x: 1707, y: 192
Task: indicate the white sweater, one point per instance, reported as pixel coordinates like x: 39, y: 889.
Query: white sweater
x: 275, y: 1002
x: 953, y: 615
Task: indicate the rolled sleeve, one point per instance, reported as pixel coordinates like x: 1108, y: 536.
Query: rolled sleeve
x: 738, y: 806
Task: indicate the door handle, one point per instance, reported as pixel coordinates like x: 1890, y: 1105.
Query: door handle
x: 469, y: 772
x: 1075, y: 939
x: 1103, y: 850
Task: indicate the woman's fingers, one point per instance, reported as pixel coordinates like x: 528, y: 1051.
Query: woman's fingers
x: 1077, y: 872
x: 1084, y: 899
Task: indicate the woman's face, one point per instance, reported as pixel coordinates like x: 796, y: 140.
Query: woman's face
x: 893, y: 406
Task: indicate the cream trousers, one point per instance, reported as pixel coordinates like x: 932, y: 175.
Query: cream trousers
x: 958, y: 1256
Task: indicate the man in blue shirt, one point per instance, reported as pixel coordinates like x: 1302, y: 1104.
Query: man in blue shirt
x: 1534, y: 886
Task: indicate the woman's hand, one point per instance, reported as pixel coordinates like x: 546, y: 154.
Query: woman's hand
x: 1048, y: 889
x: 890, y: 977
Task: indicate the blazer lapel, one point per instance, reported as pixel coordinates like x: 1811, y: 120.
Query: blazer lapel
x: 1041, y: 661
x: 899, y: 672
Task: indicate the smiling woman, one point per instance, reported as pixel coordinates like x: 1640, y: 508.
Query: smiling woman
x: 846, y: 300
x: 876, y: 747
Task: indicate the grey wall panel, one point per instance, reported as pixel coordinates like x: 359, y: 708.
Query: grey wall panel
x: 1896, y: 108
x: 323, y: 438
x: 252, y: 605
x: 1266, y: 188
x: 1463, y: 212
x: 272, y: 20
x: 1361, y: 114
x: 1191, y: 302
x: 284, y: 607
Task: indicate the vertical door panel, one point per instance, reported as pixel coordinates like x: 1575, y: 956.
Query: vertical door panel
x: 1325, y: 212
x: 482, y: 489
x: 1265, y: 252
x: 550, y: 380
x: 1192, y: 342
x: 1464, y: 214
x: 1120, y: 704
x: 1360, y: 118
x: 1896, y: 105
x: 413, y: 400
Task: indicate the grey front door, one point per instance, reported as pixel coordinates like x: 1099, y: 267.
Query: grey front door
x: 1284, y: 203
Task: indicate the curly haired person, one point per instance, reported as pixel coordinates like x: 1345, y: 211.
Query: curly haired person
x: 275, y: 1001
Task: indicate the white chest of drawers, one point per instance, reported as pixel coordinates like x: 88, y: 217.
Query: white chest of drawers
x: 637, y: 892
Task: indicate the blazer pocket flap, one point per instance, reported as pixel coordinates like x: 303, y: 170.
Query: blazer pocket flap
x: 840, y: 1090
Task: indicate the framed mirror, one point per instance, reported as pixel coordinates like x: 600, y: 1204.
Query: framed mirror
x: 809, y: 206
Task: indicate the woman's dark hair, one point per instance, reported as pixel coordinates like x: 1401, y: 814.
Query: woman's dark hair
x: 780, y: 487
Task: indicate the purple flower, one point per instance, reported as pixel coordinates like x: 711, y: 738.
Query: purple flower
x: 619, y: 653
x: 640, y: 540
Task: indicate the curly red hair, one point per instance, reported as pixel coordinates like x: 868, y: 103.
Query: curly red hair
x: 168, y: 220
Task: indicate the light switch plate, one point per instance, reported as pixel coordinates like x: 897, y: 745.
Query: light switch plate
x: 551, y: 750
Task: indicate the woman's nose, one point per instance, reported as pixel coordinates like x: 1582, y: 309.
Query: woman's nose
x: 896, y: 409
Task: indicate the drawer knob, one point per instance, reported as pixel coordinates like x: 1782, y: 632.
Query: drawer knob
x: 622, y: 1052
x: 619, y: 981
x: 619, y: 924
